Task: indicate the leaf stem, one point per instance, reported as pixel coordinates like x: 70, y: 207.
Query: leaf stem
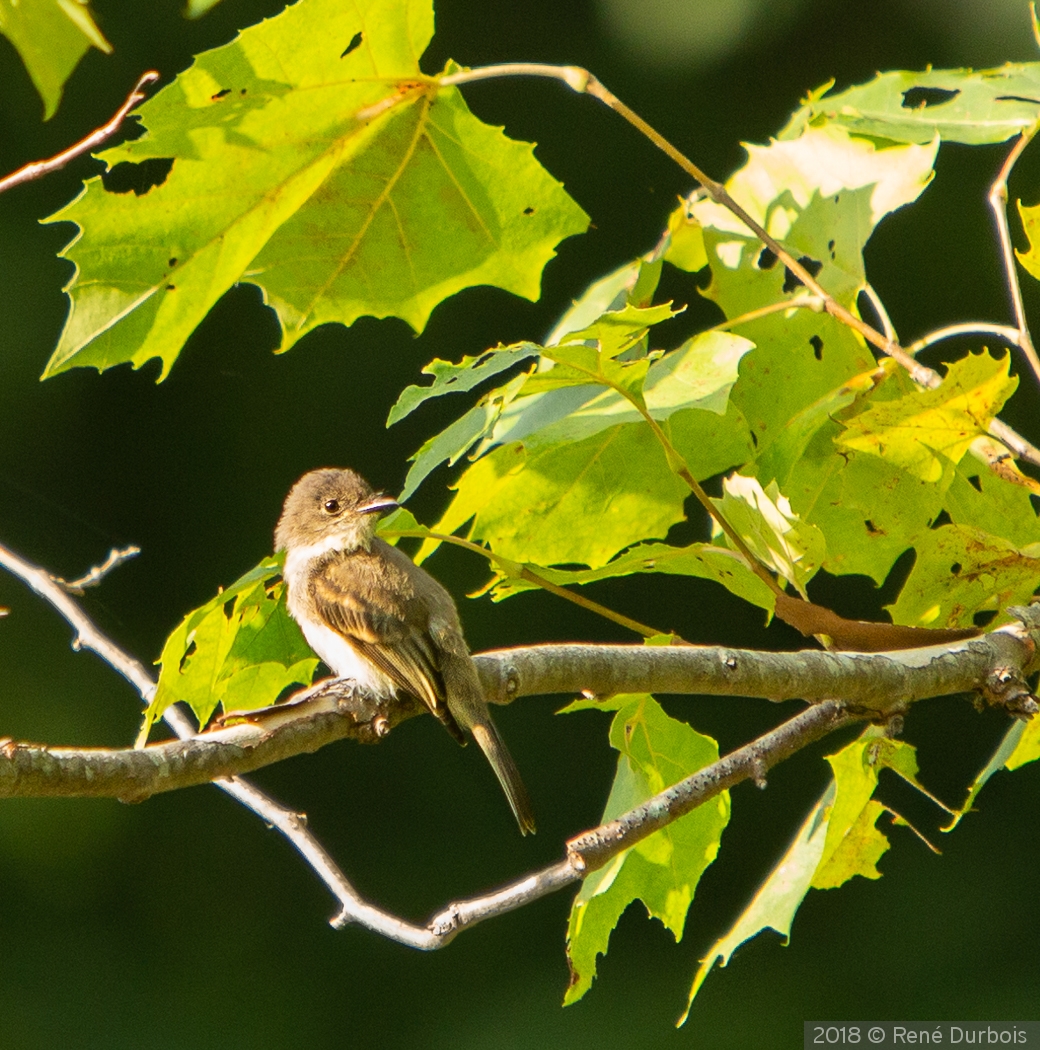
x: 525, y: 572
x: 882, y: 314
x: 1001, y: 331
x: 804, y: 302
x: 998, y: 198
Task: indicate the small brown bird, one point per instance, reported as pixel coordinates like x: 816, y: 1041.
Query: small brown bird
x: 375, y: 616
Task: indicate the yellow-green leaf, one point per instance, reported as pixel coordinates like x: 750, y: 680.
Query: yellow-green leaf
x: 916, y: 431
x: 655, y: 751
x: 312, y: 158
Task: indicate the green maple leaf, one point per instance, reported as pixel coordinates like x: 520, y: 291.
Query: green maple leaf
x: 655, y: 751
x: 313, y: 158
x: 240, y: 649
x: 821, y: 195
x: 918, y: 431
x: 51, y: 36
x: 956, y: 105
x: 837, y: 841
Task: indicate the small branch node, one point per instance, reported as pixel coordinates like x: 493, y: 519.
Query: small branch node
x: 894, y: 725
x: 758, y: 773
x: 446, y: 922
x: 1005, y: 687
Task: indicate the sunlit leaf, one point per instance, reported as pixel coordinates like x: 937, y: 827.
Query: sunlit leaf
x: 916, y: 431
x: 1008, y: 747
x: 986, y: 501
x: 853, y: 845
x: 51, y: 36
x: 593, y: 354
x: 311, y: 157
x: 240, y: 649
x: 764, y: 520
x: 961, y: 571
x: 580, y: 502
x: 449, y: 378
x: 869, y: 509
x: 1027, y: 749
x: 958, y: 105
x: 821, y: 195
x: 632, y: 284
x: 656, y: 751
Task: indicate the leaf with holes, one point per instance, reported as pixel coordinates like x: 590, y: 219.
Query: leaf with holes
x: 821, y: 195
x: 961, y: 571
x: 918, y: 431
x: 313, y: 158
x: 974, y: 107
x: 655, y: 751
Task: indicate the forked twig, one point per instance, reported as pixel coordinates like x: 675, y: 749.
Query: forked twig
x: 38, y: 168
x: 998, y: 198
x: 87, y: 636
x: 94, y: 576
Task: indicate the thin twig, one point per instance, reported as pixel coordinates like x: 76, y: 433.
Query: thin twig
x: 517, y: 570
x: 116, y: 557
x: 998, y: 198
x: 1001, y: 331
x: 882, y: 314
x: 39, y: 168
x: 1014, y: 442
x: 582, y: 81
x: 89, y: 637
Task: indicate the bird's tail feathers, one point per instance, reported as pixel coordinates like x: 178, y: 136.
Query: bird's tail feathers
x: 493, y: 746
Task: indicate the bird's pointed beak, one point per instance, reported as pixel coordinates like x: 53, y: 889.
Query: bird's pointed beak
x: 378, y: 505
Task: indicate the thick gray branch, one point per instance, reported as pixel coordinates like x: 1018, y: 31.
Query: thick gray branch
x: 872, y: 680
x: 867, y: 683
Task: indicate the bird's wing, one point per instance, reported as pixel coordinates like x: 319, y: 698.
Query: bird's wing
x: 380, y: 630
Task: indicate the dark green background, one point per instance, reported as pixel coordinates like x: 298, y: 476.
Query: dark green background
x: 182, y: 922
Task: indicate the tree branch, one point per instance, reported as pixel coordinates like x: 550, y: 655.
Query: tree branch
x: 38, y: 168
x: 870, y: 684
x: 875, y: 685
x: 291, y: 824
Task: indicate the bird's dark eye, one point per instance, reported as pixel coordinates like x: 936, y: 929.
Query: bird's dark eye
x: 332, y: 506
